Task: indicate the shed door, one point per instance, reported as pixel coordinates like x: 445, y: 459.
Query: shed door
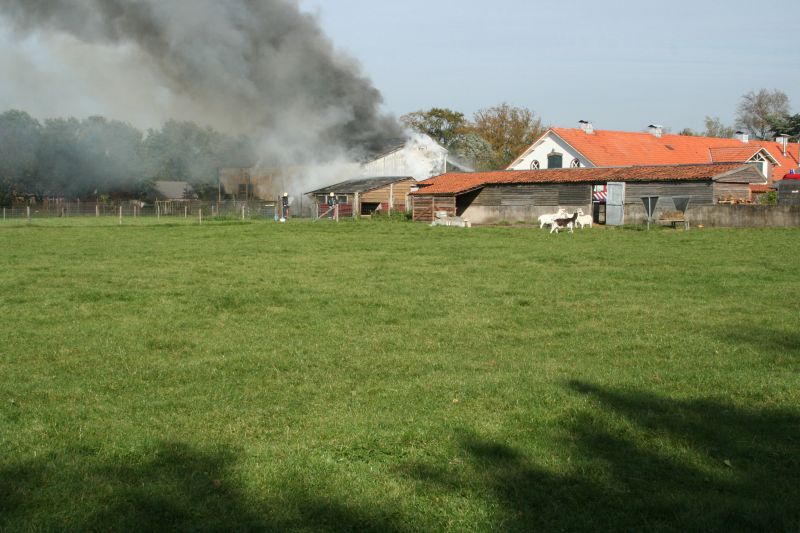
x: 615, y: 201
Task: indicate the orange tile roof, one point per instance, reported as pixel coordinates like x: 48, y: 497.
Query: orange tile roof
x: 733, y: 154
x: 459, y: 183
x: 605, y: 148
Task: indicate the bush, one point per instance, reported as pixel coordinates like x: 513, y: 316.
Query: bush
x: 769, y: 198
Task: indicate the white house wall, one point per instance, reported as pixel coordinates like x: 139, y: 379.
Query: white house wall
x: 546, y: 145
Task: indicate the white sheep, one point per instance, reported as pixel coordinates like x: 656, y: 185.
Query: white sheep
x: 547, y: 220
x: 584, y: 220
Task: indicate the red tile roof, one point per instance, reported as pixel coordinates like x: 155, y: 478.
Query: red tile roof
x: 605, y: 148
x: 459, y: 183
x: 733, y: 154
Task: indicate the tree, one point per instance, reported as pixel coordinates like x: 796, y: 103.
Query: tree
x: 687, y: 132
x: 786, y: 125
x: 508, y: 130
x: 473, y: 151
x: 20, y: 136
x: 758, y: 109
x: 715, y: 128
x: 442, y: 125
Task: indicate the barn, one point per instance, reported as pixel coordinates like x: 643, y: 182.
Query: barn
x: 485, y: 197
x: 365, y: 196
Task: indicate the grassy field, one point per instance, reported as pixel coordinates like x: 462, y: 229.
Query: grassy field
x: 385, y: 376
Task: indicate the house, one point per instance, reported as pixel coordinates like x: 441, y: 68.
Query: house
x: 517, y: 195
x: 586, y: 147
x: 365, y: 196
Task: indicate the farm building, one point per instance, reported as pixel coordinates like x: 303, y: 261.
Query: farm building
x: 586, y: 147
x: 364, y: 196
x: 483, y: 197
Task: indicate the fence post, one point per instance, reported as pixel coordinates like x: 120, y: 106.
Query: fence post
x: 200, y: 215
x: 4, y: 213
x: 97, y: 210
x: 28, y: 210
x: 243, y: 205
x: 120, y: 215
x: 185, y: 211
x: 158, y: 211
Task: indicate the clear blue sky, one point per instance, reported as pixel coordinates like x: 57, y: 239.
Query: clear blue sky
x: 622, y: 64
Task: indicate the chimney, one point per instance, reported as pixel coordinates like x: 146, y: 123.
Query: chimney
x: 783, y: 140
x: 742, y: 136
x: 656, y: 130
x: 586, y: 126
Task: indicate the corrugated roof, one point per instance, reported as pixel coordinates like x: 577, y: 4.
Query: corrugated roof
x: 360, y: 185
x: 459, y: 183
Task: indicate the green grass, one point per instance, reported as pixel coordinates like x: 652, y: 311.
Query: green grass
x: 387, y: 376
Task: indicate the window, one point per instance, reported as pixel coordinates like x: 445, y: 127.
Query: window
x: 555, y: 160
x: 762, y: 161
x: 575, y: 163
x: 535, y: 164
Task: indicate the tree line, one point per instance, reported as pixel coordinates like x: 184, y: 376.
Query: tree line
x: 98, y: 158
x: 490, y: 141
x: 763, y: 114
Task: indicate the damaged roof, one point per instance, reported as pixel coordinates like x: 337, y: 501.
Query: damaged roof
x: 459, y: 183
x: 360, y: 185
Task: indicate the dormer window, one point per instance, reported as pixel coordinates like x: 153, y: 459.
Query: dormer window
x: 535, y: 164
x: 762, y: 161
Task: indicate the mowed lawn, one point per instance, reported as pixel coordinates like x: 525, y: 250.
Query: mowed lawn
x: 386, y: 376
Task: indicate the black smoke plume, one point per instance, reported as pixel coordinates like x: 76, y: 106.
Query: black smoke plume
x: 257, y: 67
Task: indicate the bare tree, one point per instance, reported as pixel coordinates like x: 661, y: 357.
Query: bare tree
x: 715, y: 128
x: 758, y: 108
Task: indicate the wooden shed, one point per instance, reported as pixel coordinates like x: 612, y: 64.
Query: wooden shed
x: 484, y: 197
x: 365, y: 196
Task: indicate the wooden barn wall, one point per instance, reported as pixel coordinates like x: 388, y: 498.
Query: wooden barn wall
x: 425, y: 207
x: 725, y: 191
x: 400, y: 191
x: 534, y: 195
x: 702, y: 192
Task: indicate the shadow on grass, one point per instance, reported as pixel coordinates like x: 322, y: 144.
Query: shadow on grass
x: 782, y: 344
x: 641, y: 462
x: 176, y: 488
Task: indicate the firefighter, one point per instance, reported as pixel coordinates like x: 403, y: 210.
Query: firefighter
x: 331, y: 204
x: 285, y: 206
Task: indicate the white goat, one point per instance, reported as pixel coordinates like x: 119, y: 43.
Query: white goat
x: 584, y: 220
x: 547, y: 220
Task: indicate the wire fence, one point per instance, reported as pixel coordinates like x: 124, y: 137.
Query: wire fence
x: 127, y: 210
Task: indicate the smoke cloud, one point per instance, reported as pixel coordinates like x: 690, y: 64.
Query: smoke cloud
x: 258, y: 67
